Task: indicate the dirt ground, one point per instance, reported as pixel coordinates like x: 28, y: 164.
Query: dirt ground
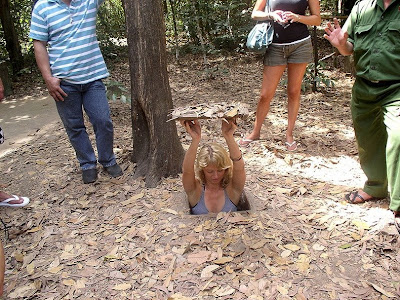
x: 117, y: 239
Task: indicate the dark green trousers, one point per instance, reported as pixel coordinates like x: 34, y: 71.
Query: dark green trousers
x: 375, y: 109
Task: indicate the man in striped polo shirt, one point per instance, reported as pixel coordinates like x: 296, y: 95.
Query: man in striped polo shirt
x: 69, y: 58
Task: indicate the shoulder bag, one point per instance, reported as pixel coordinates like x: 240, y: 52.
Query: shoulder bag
x: 260, y: 37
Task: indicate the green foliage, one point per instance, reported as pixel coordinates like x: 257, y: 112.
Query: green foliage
x: 21, y: 12
x: 117, y: 91
x: 216, y: 71
x: 310, y: 78
x: 222, y: 24
x: 111, y: 29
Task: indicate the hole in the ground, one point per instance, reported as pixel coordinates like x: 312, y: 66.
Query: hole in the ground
x: 244, y: 203
x: 181, y: 204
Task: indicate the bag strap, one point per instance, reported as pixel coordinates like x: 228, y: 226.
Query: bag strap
x: 267, y: 7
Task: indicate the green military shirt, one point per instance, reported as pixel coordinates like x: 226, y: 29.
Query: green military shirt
x: 375, y: 34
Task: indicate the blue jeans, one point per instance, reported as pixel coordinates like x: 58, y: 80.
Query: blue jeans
x: 92, y: 97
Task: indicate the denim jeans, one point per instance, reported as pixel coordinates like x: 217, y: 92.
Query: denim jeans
x: 92, y: 98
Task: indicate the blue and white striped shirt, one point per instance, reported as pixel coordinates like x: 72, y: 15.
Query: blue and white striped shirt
x: 70, y: 32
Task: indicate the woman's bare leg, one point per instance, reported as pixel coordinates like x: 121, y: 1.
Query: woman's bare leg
x: 295, y: 78
x: 271, y: 77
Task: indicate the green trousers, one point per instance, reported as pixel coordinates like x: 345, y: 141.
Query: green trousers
x: 375, y: 110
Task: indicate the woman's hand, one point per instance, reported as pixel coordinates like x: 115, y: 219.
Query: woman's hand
x: 290, y: 17
x: 193, y: 128
x: 228, y: 127
x: 277, y: 16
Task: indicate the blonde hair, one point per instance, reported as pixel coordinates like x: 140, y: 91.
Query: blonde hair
x: 213, y: 154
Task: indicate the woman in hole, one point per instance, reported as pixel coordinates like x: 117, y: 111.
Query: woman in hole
x: 214, y: 181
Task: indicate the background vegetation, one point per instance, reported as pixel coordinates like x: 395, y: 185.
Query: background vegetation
x: 192, y: 26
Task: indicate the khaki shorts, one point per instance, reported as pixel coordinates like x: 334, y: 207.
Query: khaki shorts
x: 278, y: 55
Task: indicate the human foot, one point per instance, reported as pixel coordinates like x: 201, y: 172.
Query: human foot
x: 291, y: 146
x: 358, y: 197
x: 12, y: 200
x: 245, y: 142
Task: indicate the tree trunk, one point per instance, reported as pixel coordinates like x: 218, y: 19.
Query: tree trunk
x: 11, y: 37
x: 156, y: 146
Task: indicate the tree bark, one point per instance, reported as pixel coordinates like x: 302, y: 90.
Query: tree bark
x: 156, y: 146
x: 12, y: 42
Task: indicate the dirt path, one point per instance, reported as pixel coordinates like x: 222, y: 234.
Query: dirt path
x: 22, y: 119
x: 117, y: 239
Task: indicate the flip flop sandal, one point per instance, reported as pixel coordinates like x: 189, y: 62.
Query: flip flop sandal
x: 352, y: 196
x: 245, y: 142
x: 7, y: 203
x: 290, y: 145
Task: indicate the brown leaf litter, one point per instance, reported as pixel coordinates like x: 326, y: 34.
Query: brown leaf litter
x: 116, y: 239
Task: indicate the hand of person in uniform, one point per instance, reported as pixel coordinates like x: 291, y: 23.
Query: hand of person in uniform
x: 335, y: 35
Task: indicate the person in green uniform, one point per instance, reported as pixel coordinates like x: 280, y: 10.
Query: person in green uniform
x: 372, y: 34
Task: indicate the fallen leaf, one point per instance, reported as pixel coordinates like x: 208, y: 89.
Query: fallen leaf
x: 381, y: 290
x: 122, y: 287
x: 223, y: 291
x: 208, y: 271
x: 30, y: 268
x: 24, y: 291
x: 171, y: 211
x: 318, y: 247
x: 223, y: 260
x: 292, y: 247
x: 81, y: 283
x: 282, y: 290
x: 361, y: 224
x: 178, y: 296
x: 55, y: 270
x: 34, y: 229
x: 303, y: 263
x: 345, y: 246
x: 133, y: 199
x: 19, y: 257
x: 199, y: 257
x: 286, y: 253
x: 68, y: 282
x: 229, y: 269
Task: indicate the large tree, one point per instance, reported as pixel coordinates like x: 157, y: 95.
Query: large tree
x: 157, y: 150
x: 12, y: 42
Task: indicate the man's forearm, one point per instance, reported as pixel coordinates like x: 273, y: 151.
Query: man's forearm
x: 42, y: 59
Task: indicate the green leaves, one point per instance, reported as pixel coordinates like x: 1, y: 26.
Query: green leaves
x: 116, y: 90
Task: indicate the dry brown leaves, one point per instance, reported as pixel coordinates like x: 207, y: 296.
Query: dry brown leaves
x: 117, y: 239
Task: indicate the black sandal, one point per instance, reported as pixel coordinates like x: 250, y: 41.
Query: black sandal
x: 352, y: 196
